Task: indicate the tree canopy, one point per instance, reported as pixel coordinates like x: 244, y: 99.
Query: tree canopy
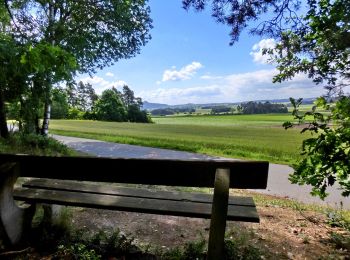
x: 96, y: 33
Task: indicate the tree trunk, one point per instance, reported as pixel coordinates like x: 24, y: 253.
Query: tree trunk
x: 47, y: 106
x: 47, y: 112
x: 4, y: 132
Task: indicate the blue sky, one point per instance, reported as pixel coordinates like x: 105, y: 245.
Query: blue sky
x: 189, y: 60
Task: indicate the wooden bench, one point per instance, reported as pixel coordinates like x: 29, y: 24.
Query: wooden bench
x: 62, y: 181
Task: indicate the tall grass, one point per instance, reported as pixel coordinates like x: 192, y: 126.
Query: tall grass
x: 33, y: 144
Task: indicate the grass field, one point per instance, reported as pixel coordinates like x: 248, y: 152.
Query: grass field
x: 258, y: 137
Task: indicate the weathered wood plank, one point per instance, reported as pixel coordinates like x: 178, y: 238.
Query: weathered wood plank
x: 218, y: 216
x: 108, y: 189
x: 190, y: 173
x: 133, y: 204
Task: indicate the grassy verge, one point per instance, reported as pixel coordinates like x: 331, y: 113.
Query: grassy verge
x: 233, y: 141
x: 33, y: 144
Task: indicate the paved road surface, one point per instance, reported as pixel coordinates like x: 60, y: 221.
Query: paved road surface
x: 278, y: 183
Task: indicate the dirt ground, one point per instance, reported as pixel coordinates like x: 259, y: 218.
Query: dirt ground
x: 283, y: 232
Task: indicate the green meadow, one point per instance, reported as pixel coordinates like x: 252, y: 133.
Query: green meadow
x: 258, y: 137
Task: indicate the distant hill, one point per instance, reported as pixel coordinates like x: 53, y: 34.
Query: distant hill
x: 151, y: 106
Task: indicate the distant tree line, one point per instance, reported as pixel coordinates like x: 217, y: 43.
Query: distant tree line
x: 221, y: 109
x: 171, y: 111
x: 262, y: 108
x: 81, y: 102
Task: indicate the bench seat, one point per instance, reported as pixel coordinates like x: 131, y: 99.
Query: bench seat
x: 104, y: 196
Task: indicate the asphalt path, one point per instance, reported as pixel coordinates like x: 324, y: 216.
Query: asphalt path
x: 278, y: 183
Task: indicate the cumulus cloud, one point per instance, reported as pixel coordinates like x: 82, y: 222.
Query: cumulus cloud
x: 100, y: 84
x: 182, y: 95
x: 210, y: 77
x: 184, y: 73
x: 238, y: 87
x: 257, y: 50
x: 109, y: 74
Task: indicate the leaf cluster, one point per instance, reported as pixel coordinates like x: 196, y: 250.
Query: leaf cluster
x: 97, y: 33
x: 239, y: 14
x: 326, y: 155
x: 319, y: 47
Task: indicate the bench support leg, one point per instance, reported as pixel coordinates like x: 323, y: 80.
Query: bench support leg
x: 219, y: 214
x: 14, y: 221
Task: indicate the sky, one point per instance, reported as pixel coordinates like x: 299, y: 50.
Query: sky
x: 189, y: 60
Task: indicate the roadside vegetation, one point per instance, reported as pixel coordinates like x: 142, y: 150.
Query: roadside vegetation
x: 33, y: 144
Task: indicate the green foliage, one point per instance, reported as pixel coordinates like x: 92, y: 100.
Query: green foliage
x: 81, y: 96
x: 340, y: 241
x: 110, y: 107
x: 238, y: 14
x: 75, y: 113
x: 338, y: 218
x: 326, y: 156
x: 134, y: 114
x: 319, y: 46
x: 238, y: 247
x: 195, y: 250
x: 32, y: 144
x: 191, y: 251
x: 45, y: 60
x: 263, y: 108
x: 77, y: 251
x: 82, y: 31
x: 59, y: 107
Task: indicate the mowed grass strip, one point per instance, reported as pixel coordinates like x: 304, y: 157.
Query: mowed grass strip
x: 261, y: 120
x: 234, y: 141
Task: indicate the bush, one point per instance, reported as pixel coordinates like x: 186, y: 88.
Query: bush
x: 33, y: 144
x: 74, y: 113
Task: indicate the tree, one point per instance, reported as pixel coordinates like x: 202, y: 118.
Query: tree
x: 110, y: 107
x: 133, y: 106
x: 263, y: 108
x: 46, y: 65
x: 321, y: 48
x: 96, y: 33
x: 134, y: 114
x: 318, y: 44
x: 11, y: 77
x: 59, y: 104
x: 81, y: 96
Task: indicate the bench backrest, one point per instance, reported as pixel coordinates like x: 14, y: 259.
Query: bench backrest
x: 190, y: 173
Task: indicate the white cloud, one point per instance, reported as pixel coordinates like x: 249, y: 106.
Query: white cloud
x: 257, y: 50
x: 255, y: 85
x: 184, y: 73
x: 109, y: 74
x: 101, y: 84
x: 182, y: 95
x: 210, y: 77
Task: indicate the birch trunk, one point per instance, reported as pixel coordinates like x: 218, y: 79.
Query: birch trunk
x: 4, y: 132
x: 47, y: 106
x: 47, y: 113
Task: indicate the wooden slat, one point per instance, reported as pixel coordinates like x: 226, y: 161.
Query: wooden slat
x: 190, y: 173
x: 133, y: 204
x: 107, y: 189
